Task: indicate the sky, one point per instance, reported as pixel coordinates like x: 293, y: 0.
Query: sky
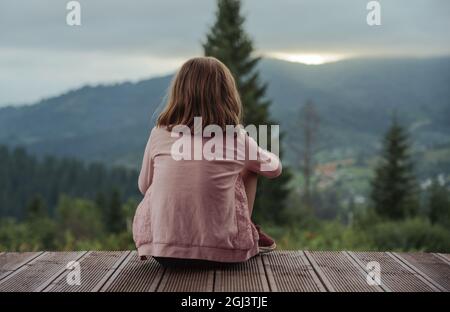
x: 41, y: 56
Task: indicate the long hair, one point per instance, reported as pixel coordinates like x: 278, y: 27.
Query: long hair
x: 203, y: 87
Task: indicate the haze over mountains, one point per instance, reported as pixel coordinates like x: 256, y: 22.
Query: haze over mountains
x: 355, y: 100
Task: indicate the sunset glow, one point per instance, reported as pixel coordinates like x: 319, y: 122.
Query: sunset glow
x: 308, y: 59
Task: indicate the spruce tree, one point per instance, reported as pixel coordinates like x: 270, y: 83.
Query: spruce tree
x: 439, y: 204
x: 115, y: 219
x: 228, y: 42
x: 36, y: 209
x: 394, y: 189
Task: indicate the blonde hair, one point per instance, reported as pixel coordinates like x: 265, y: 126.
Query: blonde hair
x: 203, y: 87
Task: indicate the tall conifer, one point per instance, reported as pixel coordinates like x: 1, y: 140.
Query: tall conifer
x: 394, y: 188
x: 228, y: 42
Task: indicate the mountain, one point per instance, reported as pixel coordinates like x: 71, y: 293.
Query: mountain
x: 355, y: 99
x: 101, y: 123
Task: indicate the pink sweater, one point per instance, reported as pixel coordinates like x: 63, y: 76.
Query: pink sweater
x: 196, y: 209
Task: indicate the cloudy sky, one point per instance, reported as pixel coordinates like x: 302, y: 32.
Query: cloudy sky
x: 41, y: 56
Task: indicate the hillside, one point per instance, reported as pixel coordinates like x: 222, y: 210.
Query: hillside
x: 355, y: 99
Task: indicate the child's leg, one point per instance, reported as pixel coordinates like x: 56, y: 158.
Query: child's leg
x: 265, y: 242
x: 250, y: 182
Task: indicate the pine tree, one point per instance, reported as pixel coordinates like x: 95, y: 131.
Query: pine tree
x: 228, y: 42
x: 439, y: 204
x: 394, y: 189
x: 36, y: 208
x: 101, y: 202
x: 115, y: 219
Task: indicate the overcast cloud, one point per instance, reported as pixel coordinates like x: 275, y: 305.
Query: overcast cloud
x: 128, y: 40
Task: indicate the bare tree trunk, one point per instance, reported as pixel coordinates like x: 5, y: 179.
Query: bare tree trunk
x: 309, y: 123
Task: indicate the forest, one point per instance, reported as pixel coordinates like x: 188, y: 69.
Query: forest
x: 64, y: 204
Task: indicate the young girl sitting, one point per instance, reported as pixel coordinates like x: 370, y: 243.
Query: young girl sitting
x: 200, y: 208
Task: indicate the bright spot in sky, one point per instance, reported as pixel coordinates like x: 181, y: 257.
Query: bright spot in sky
x: 308, y: 59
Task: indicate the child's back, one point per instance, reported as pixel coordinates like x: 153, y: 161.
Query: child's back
x: 194, y: 208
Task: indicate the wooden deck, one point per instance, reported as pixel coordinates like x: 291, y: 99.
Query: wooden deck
x: 290, y: 271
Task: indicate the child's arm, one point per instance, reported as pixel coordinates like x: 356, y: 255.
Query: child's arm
x: 146, y: 174
x: 261, y: 161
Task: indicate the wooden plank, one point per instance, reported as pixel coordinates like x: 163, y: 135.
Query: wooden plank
x: 135, y: 275
x: 46, y: 283
x: 248, y: 276
x: 62, y: 273
x: 430, y: 267
x: 95, y: 268
x: 187, y: 280
x: 39, y: 273
x: 319, y: 272
x: 445, y: 257
x: 12, y: 261
x: 340, y: 272
x: 394, y: 275
x: 111, y: 271
x: 363, y: 265
x: 290, y: 271
x: 276, y: 271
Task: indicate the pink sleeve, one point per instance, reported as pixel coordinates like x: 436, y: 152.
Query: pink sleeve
x: 146, y: 174
x: 261, y: 161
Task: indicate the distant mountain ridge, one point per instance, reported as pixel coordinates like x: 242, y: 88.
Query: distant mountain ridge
x: 355, y: 99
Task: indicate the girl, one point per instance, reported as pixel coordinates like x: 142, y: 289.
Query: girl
x: 200, y: 209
